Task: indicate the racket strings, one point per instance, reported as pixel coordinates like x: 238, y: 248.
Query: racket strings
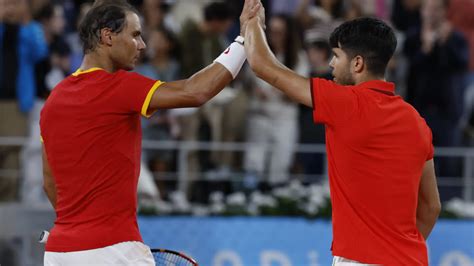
x: 163, y: 258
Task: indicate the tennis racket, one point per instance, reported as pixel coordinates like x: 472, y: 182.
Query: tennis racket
x: 166, y: 257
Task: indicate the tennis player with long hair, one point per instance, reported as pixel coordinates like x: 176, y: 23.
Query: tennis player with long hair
x: 90, y: 127
x: 380, y: 154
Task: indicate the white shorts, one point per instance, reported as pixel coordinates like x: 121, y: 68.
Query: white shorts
x: 124, y: 253
x: 340, y: 261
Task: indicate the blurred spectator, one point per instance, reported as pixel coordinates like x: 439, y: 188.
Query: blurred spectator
x: 201, y: 42
x: 205, y: 36
x: 72, y: 12
x: 355, y: 10
x: 467, y: 121
x: 283, y: 7
x: 162, y: 56
x: 36, y: 5
x: 312, y: 13
x: 73, y: 37
x: 397, y: 67
x: 147, y: 190
x: 162, y: 64
x: 56, y: 67
x: 48, y: 72
x: 236, y: 6
x: 334, y: 7
x: 438, y: 57
x: 273, y: 118
x: 376, y: 8
x: 183, y: 11
x: 156, y: 15
x: 319, y: 54
x: 308, y: 16
x: 235, y: 111
x: 461, y: 15
x: 406, y: 14
x: 22, y: 45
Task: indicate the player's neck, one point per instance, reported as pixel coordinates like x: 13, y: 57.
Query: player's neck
x: 94, y: 59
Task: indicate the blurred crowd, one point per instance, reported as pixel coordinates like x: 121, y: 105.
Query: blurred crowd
x: 433, y: 69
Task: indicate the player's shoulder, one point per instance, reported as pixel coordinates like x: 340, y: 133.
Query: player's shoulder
x: 414, y: 113
x: 123, y: 74
x: 65, y: 83
x: 409, y: 107
x: 132, y: 78
x: 326, y: 83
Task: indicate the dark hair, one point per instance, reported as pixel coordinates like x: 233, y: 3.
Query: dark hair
x: 368, y: 37
x: 103, y: 14
x: 217, y: 11
x: 292, y: 43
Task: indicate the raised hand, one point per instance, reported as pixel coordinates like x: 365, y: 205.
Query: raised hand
x: 261, y: 16
x: 251, y: 9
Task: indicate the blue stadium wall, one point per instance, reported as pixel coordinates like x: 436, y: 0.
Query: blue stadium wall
x: 239, y: 241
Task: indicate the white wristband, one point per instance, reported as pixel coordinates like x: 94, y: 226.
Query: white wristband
x: 43, y: 237
x: 233, y: 58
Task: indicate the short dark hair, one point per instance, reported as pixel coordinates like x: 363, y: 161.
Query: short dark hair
x: 218, y: 11
x: 103, y: 14
x: 370, y: 38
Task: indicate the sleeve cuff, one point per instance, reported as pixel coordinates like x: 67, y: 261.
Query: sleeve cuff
x: 145, y: 112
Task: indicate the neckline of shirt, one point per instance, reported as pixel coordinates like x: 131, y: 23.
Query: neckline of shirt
x: 80, y: 71
x: 378, y: 85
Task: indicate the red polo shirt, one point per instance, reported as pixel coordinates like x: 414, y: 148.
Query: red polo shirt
x: 90, y: 126
x: 376, y: 145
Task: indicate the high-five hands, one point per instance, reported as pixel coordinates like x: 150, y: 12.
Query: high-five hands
x: 261, y: 16
x: 251, y: 9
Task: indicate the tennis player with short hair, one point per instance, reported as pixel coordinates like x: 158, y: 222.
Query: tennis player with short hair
x: 90, y: 126
x: 383, y: 186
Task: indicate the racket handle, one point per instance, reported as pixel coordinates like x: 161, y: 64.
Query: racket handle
x: 43, y: 237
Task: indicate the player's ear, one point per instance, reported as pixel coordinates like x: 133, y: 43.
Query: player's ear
x: 358, y: 64
x: 106, y: 36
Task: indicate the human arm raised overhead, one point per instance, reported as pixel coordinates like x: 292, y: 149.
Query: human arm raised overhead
x: 267, y: 67
x: 208, y: 82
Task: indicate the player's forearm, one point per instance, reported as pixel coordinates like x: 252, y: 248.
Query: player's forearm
x: 212, y: 79
x: 191, y: 92
x: 267, y: 67
x: 207, y: 83
x: 426, y: 217
x: 260, y: 58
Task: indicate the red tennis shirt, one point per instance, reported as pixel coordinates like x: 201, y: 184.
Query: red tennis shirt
x: 376, y: 146
x: 90, y: 126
